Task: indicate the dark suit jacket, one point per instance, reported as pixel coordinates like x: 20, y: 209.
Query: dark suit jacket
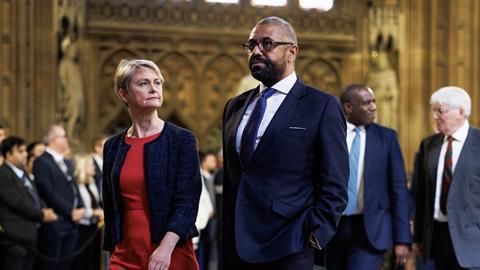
x: 386, y: 195
x: 172, y: 176
x: 463, y: 205
x: 18, y: 214
x: 295, y: 183
x: 55, y: 189
x: 98, y: 179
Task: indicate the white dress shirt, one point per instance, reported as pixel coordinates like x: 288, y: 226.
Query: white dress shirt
x: 459, y: 138
x: 283, y: 87
x: 99, y: 160
x: 361, y: 162
x: 87, y: 202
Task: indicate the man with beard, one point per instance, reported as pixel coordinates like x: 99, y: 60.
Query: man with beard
x: 285, y: 160
x: 376, y: 217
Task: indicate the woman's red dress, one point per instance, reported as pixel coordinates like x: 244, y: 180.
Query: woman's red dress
x: 134, y: 251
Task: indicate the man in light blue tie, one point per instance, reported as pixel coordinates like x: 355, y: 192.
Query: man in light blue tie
x: 376, y: 217
x: 285, y: 161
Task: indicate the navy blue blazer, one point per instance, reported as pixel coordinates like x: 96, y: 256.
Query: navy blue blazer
x: 386, y: 197
x: 463, y: 205
x: 172, y: 175
x: 59, y: 191
x: 295, y: 183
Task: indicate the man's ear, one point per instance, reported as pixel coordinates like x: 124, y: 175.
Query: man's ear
x: 292, y: 53
x: 347, y: 108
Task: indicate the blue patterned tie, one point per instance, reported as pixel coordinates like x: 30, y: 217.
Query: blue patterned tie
x: 353, y: 178
x: 31, y: 191
x: 249, y: 136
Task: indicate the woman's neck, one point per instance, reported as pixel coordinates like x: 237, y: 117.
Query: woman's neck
x: 144, y: 126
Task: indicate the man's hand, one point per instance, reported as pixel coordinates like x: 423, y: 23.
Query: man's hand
x: 417, y: 249
x: 401, y: 254
x: 98, y: 213
x: 49, y: 215
x: 77, y: 214
x: 162, y: 256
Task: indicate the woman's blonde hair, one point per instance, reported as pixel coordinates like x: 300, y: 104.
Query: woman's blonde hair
x: 127, y: 67
x: 81, y: 174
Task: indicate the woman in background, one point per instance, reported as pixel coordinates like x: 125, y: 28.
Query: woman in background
x: 151, y: 180
x: 89, y: 259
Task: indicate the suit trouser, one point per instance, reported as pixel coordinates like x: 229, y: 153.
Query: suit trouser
x: 443, y: 254
x: 58, y: 240
x: 15, y: 257
x: 350, y: 248
x: 297, y: 261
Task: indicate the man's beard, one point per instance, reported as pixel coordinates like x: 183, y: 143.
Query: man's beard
x: 269, y: 74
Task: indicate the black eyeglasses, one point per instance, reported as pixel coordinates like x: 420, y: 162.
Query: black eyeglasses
x: 265, y: 45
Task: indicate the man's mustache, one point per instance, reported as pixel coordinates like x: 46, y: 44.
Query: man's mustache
x: 260, y: 59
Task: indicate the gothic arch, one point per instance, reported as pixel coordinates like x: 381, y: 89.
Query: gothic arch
x: 322, y: 75
x: 111, y: 107
x: 179, y: 89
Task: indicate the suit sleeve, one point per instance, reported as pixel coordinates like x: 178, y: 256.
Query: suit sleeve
x: 45, y: 185
x: 399, y: 193
x: 9, y: 195
x: 107, y: 200
x: 332, y: 180
x: 188, y: 187
x: 419, y: 193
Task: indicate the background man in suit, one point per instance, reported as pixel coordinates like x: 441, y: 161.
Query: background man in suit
x: 447, y: 220
x: 376, y: 217
x: 97, y: 154
x: 286, y: 160
x: 56, y: 185
x: 21, y: 209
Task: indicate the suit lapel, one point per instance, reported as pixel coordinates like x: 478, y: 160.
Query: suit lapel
x: 370, y: 142
x: 434, y: 151
x: 237, y: 118
x: 18, y: 182
x: 281, y: 118
x: 469, y: 152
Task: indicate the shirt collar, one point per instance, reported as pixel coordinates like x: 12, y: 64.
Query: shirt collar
x: 19, y: 172
x: 57, y: 156
x: 284, y: 85
x: 461, y: 133
x: 351, y: 127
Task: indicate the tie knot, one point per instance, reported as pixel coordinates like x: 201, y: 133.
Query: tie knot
x: 268, y: 92
x: 356, y: 130
x: 450, y: 139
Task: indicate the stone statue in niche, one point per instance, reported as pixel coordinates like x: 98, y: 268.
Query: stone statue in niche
x: 382, y: 78
x: 71, y: 85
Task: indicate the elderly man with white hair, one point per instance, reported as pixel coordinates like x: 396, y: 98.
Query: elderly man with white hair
x: 447, y: 176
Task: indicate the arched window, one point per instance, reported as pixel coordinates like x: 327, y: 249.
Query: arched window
x: 277, y: 3
x: 323, y: 5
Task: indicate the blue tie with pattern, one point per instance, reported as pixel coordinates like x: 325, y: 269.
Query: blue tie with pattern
x: 249, y: 135
x: 353, y: 178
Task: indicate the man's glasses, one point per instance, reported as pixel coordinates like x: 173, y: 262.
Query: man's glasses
x: 265, y: 45
x: 441, y: 111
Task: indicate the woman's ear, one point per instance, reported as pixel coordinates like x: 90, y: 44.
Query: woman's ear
x: 123, y: 94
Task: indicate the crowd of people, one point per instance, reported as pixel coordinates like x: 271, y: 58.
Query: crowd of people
x: 51, y: 203
x: 304, y: 178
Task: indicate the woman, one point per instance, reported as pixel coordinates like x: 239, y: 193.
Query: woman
x: 89, y: 258
x: 151, y: 180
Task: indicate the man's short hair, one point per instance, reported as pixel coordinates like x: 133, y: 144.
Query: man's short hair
x: 48, y: 136
x: 347, y: 93
x: 97, y: 140
x: 9, y: 143
x: 287, y: 28
x: 453, y: 97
